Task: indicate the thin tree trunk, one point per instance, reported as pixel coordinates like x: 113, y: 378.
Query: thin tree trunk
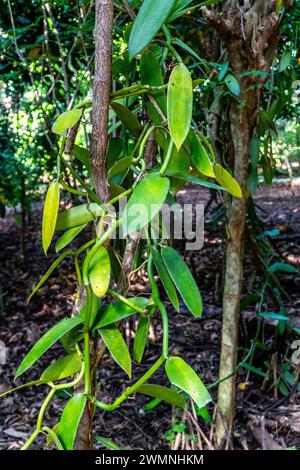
x: 99, y: 142
x: 249, y: 34
x: 233, y: 278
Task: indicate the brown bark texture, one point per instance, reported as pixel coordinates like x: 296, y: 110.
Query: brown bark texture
x: 99, y: 143
x: 249, y: 36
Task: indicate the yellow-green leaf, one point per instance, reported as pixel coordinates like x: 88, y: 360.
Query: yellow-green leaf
x: 66, y: 120
x: 117, y: 347
x: 64, y: 367
x: 183, y: 280
x: 100, y: 272
x: 148, y: 22
x: 224, y: 178
x: 185, y: 378
x: 145, y: 202
x: 78, y: 215
x: 68, y: 237
x: 51, y: 206
x: 180, y: 104
x: 200, y: 158
x: 70, y: 420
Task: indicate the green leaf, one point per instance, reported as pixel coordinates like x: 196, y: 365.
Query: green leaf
x: 82, y: 155
x: 162, y: 393
x: 116, y: 311
x: 282, y: 267
x: 68, y: 237
x: 180, y: 104
x: 185, y: 378
x: 70, y: 420
x: 107, y: 442
x: 151, y: 17
x: 46, y: 341
x: 223, y: 70
x: 254, y: 369
x: 140, y: 339
x: 117, y: 347
x: 200, y: 158
x: 182, y: 11
x: 100, y: 272
x: 78, y: 215
x: 252, y: 182
x: 274, y: 316
x: 183, y: 280
x: 64, y: 367
x: 51, y: 206
x: 224, y: 178
x: 66, y: 120
x: 165, y: 278
x: 195, y: 180
x: 145, y: 202
x: 120, y: 166
x: 96, y: 302
x: 129, y: 120
x: 254, y: 151
x: 151, y: 74
x: 48, y: 273
x: 232, y: 84
x: 285, y: 61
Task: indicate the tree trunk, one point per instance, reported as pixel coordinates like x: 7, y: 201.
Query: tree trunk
x: 249, y: 35
x: 99, y: 142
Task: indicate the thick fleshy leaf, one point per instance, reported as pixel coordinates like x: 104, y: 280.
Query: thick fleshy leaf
x: 200, y: 158
x: 180, y: 104
x: 66, y: 120
x: 129, y: 119
x: 254, y: 147
x: 64, y: 367
x: 116, y: 311
x: 151, y: 17
x: 140, y: 339
x: 165, y: 278
x: 78, y: 215
x: 107, y: 443
x: 224, y: 178
x: 145, y: 202
x: 183, y: 280
x: 70, y: 420
x: 185, y: 378
x: 282, y: 267
x: 232, y: 84
x: 46, y: 341
x: 51, y: 206
x: 151, y: 74
x: 82, y: 155
x: 117, y: 347
x: 96, y: 302
x: 120, y: 166
x: 68, y: 237
x: 162, y: 393
x: 193, y: 179
x: 100, y: 272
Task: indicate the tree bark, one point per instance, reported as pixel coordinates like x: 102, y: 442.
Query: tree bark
x: 249, y: 34
x: 99, y: 143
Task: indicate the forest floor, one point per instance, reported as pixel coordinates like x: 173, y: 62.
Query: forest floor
x: 265, y: 417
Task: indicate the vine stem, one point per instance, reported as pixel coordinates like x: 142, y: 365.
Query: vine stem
x: 167, y: 159
x: 43, y: 408
x: 130, y: 390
